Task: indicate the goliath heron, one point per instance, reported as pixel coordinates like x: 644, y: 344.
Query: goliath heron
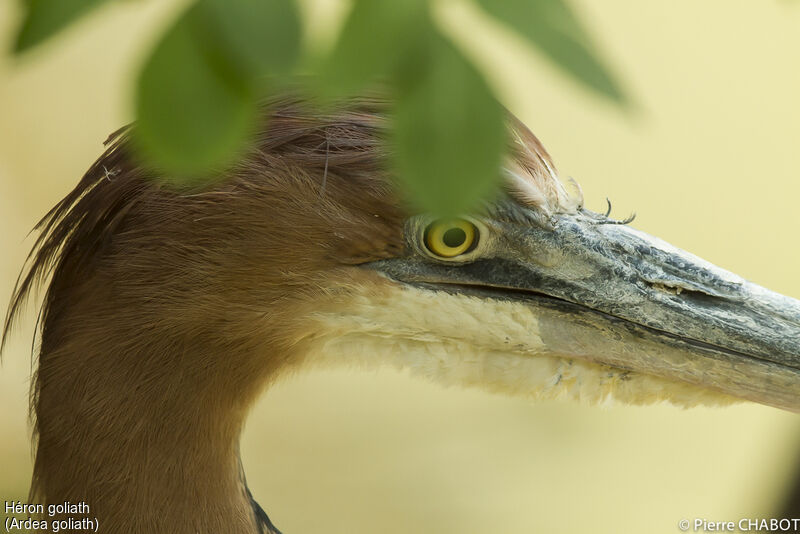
x: 168, y: 311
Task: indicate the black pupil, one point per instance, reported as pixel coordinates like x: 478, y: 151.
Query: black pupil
x: 454, y: 237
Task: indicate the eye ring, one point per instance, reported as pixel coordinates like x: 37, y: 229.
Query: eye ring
x: 448, y: 238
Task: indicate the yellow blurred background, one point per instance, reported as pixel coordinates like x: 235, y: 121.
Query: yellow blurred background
x: 708, y: 158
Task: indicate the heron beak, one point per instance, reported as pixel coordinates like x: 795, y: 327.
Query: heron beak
x: 619, y: 297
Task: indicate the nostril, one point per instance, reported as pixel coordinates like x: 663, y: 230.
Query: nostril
x: 672, y: 290
x: 676, y: 288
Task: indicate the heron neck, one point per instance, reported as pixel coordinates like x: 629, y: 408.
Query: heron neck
x: 147, y: 438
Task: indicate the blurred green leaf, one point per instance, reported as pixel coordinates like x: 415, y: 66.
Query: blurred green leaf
x: 376, y: 34
x: 194, y: 111
x: 44, y: 18
x: 553, y: 27
x: 449, y: 133
x: 262, y: 36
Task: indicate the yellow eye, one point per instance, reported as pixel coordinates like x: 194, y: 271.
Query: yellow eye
x: 450, y: 238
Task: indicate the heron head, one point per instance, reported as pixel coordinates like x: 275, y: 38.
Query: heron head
x: 307, y: 253
x: 532, y: 294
